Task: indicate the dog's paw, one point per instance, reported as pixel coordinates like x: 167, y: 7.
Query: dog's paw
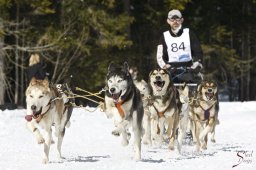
x: 40, y: 140
x: 204, y: 146
x: 213, y: 140
x: 115, y: 133
x: 197, y: 148
x: 146, y: 140
x: 128, y: 135
x: 137, y: 156
x: 45, y: 161
x: 171, y: 146
x: 125, y: 142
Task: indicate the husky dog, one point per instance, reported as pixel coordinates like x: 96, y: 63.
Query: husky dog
x: 43, y: 111
x: 204, y: 113
x: 184, y: 124
x: 143, y: 87
x: 123, y: 102
x: 165, y: 107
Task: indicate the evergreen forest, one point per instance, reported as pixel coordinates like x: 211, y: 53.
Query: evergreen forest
x: 81, y: 37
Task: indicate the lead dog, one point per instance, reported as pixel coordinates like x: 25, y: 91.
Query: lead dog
x: 165, y: 107
x: 43, y: 111
x: 123, y: 103
x: 204, y: 113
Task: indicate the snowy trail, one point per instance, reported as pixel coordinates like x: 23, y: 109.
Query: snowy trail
x: 88, y: 144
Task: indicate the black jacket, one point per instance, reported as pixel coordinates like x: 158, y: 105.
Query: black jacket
x: 36, y: 71
x: 196, y: 50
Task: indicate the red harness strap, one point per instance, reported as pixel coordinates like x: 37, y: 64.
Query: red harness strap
x: 160, y: 114
x: 119, y: 108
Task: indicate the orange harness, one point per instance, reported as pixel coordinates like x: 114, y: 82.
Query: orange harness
x: 119, y: 108
x: 160, y: 114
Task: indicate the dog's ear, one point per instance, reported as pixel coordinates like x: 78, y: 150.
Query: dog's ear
x: 33, y: 81
x: 150, y: 73
x: 126, y: 68
x: 45, y: 82
x: 199, y: 88
x: 111, y: 66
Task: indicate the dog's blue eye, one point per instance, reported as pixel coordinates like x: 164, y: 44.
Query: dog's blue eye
x: 109, y: 81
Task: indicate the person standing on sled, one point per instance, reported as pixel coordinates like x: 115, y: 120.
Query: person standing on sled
x: 179, y: 50
x: 36, y: 68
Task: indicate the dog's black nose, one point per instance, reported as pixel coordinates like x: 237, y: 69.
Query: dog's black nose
x: 33, y: 107
x: 158, y: 78
x: 112, y: 90
x: 209, y: 90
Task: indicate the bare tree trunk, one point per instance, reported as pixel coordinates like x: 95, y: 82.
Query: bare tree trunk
x: 248, y: 39
x: 242, y: 98
x: 248, y: 76
x: 17, y: 78
x: 22, y: 80
x: 127, y: 10
x: 2, y: 75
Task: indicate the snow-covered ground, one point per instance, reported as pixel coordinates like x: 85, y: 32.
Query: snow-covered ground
x: 88, y: 144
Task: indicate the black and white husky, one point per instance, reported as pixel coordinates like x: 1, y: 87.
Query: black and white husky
x: 123, y: 102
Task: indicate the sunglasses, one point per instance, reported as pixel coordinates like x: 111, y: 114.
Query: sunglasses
x: 176, y: 19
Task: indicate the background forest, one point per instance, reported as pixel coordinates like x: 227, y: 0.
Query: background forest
x: 81, y: 37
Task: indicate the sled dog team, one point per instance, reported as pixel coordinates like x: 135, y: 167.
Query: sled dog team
x: 157, y: 111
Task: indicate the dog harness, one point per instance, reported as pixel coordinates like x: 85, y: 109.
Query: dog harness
x: 119, y: 108
x: 160, y: 114
x: 206, y: 112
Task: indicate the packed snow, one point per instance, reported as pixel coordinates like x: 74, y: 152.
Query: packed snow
x: 88, y: 144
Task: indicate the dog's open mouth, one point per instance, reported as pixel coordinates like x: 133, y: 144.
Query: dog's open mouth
x: 37, y: 113
x: 159, y: 85
x: 115, y: 96
x: 209, y: 95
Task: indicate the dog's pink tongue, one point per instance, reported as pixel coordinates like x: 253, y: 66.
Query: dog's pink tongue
x: 28, y: 117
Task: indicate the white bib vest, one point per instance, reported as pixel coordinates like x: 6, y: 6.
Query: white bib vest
x: 178, y: 48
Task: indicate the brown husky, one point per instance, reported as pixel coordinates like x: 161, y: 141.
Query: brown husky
x: 45, y: 108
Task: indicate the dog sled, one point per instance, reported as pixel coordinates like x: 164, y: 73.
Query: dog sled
x: 186, y: 75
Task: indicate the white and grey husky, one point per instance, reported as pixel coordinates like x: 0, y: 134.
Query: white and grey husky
x: 43, y: 112
x: 123, y: 102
